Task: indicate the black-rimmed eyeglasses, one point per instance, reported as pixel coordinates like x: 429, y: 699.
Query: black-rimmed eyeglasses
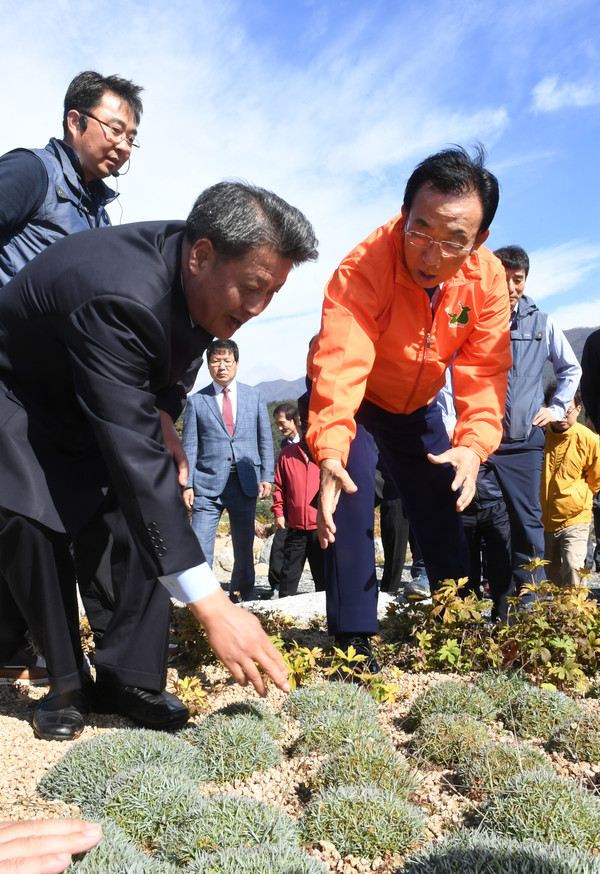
x: 114, y: 134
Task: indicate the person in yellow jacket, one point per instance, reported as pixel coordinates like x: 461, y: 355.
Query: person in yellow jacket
x: 570, y: 479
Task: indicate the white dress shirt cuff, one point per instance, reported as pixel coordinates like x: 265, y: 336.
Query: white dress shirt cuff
x: 192, y: 584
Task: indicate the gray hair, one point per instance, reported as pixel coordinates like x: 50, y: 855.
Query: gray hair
x: 237, y: 217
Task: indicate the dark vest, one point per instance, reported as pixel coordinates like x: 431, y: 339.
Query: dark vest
x: 68, y: 207
x: 525, y: 393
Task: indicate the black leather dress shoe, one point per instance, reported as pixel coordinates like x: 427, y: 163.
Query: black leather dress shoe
x: 61, y: 717
x: 159, y: 710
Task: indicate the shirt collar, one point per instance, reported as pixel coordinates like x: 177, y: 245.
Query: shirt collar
x: 219, y: 388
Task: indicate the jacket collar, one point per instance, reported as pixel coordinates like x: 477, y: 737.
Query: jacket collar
x: 525, y: 307
x: 98, y: 191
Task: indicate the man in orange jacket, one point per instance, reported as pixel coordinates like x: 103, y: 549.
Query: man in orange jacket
x: 417, y: 295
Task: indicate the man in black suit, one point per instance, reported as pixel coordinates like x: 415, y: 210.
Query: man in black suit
x: 97, y: 334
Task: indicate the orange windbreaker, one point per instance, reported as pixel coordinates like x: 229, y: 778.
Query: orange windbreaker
x: 380, y: 340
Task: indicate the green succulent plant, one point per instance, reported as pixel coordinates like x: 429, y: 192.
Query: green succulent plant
x: 363, y: 820
x: 451, y: 696
x: 541, y: 806
x: 447, y: 739
x: 364, y: 762
x: 81, y: 776
x: 487, y: 768
x: 226, y: 822
x: 474, y: 853
x: 535, y: 712
x: 578, y: 740
x: 233, y: 747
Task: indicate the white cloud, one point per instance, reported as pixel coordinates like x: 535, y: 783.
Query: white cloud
x: 559, y: 269
x: 332, y: 113
x: 579, y: 315
x: 548, y: 95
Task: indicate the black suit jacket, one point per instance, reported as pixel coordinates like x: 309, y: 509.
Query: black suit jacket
x: 95, y: 336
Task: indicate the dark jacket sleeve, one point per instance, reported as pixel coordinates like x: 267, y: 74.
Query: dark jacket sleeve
x: 23, y: 187
x: 118, y: 349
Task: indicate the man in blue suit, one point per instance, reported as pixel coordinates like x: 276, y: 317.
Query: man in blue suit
x: 227, y: 439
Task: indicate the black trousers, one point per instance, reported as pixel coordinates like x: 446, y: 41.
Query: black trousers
x: 38, y: 568
x: 92, y: 551
x: 394, y: 539
x: 490, y: 526
x: 276, y: 557
x: 299, y: 546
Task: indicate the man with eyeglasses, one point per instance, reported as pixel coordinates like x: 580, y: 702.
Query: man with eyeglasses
x: 45, y: 195
x: 48, y: 193
x: 419, y: 294
x: 227, y: 439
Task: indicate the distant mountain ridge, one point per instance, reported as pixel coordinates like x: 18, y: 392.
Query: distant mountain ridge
x: 282, y: 389
x: 289, y: 390
x: 576, y: 338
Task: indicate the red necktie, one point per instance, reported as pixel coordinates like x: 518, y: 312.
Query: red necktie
x: 227, y: 411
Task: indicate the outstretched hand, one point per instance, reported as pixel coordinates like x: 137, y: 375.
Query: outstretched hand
x: 44, y: 846
x: 466, y: 464
x: 239, y: 641
x: 334, y: 478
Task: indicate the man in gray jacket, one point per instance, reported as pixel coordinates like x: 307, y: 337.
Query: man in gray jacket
x: 534, y: 339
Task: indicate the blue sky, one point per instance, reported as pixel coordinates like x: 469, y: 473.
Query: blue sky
x: 331, y: 104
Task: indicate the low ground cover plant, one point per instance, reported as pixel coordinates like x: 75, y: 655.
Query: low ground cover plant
x: 362, y: 763
x: 144, y: 785
x: 484, y: 771
x: 272, y: 722
x: 279, y: 858
x: 502, y: 685
x: 226, y: 822
x: 363, y: 820
x: 446, y: 739
x: 542, y: 806
x: 82, y: 775
x: 474, y: 853
x: 536, y: 712
x: 330, y: 730
x: 149, y: 801
x: 233, y: 747
x: 302, y: 704
x: 118, y: 853
x: 451, y: 696
x: 578, y: 739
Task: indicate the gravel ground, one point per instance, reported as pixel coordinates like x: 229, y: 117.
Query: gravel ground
x: 25, y: 759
